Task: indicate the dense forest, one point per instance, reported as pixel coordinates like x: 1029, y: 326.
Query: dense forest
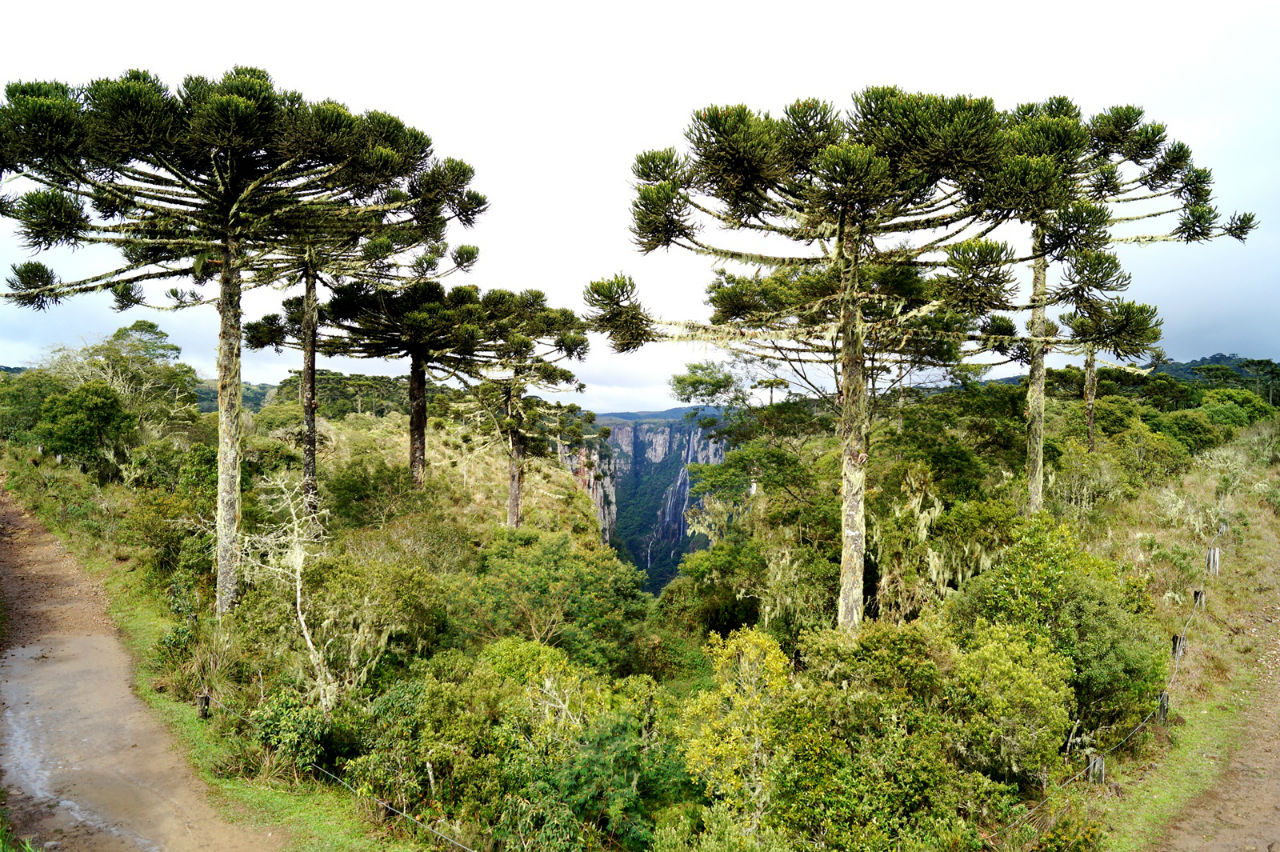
x: 917, y: 601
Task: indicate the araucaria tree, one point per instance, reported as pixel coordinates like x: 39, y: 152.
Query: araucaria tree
x: 203, y: 184
x: 1114, y: 172
x: 1124, y: 329
x: 533, y: 340
x: 846, y: 207
x: 357, y: 246
x: 455, y: 333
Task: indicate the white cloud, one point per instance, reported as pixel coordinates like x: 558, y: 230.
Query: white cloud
x: 550, y: 102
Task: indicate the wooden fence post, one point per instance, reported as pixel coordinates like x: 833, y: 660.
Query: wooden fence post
x: 1198, y: 595
x: 1162, y: 709
x: 1097, y: 769
x: 202, y: 705
x: 1179, y: 646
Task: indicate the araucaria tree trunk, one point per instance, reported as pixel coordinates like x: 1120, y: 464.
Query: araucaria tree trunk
x: 855, y: 433
x: 515, y: 482
x: 1035, y: 378
x: 310, y: 321
x: 417, y: 419
x: 230, y: 397
x: 1090, y: 390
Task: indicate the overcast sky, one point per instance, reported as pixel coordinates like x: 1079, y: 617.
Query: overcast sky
x: 550, y: 102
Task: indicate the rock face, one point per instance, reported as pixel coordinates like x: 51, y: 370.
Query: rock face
x: 593, y: 469
x: 648, y: 480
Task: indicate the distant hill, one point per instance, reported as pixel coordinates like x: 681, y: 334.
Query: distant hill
x: 650, y: 416
x: 13, y: 371
x: 1185, y: 370
x: 254, y: 395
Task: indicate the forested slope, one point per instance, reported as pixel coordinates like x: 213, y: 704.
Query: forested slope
x: 518, y: 688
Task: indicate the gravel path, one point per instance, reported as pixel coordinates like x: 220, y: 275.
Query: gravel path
x: 87, y: 766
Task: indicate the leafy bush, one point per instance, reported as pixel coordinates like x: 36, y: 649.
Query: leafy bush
x: 88, y: 424
x: 290, y: 729
x: 1193, y: 429
x: 870, y: 741
x: 367, y: 490
x: 1146, y: 456
x: 1049, y: 587
x: 1114, y: 414
x: 545, y: 587
x: 1070, y: 832
x: 733, y: 731
x: 1254, y: 407
x: 1014, y: 699
x: 21, y: 399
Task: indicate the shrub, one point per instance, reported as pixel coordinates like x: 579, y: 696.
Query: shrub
x: 1254, y: 407
x: 1146, y: 456
x: 1014, y: 699
x: 21, y: 399
x: 1047, y: 586
x: 1192, y: 429
x: 1225, y: 414
x: 290, y: 729
x: 367, y: 491
x: 1070, y: 832
x: 544, y: 587
x: 88, y: 424
x: 1114, y: 414
x: 733, y: 730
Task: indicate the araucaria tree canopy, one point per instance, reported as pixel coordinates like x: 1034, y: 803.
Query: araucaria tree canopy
x: 205, y: 184
x: 870, y: 223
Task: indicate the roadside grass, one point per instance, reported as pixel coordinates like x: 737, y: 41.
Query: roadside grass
x: 1162, y: 782
x: 1163, y: 535
x: 314, y: 817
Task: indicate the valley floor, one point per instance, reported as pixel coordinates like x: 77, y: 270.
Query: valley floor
x: 87, y: 765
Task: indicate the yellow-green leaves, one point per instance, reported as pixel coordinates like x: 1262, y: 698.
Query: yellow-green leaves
x: 732, y: 729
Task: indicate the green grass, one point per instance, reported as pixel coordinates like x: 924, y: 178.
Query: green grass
x: 1195, y: 759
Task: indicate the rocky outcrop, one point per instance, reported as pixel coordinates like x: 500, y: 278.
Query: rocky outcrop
x: 592, y: 466
x: 650, y: 486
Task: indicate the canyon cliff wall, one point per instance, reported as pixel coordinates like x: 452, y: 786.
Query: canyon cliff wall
x: 648, y: 480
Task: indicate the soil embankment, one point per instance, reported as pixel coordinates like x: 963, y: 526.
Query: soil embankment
x: 87, y: 766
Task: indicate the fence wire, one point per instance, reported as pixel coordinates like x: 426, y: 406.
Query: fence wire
x: 1173, y: 677
x: 383, y: 802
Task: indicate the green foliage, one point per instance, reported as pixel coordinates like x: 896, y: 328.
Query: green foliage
x: 870, y: 745
x: 734, y: 733
x: 89, y: 424
x: 724, y: 584
x: 1015, y: 700
x: 1147, y: 456
x: 1252, y: 405
x: 722, y: 830
x: 367, y: 490
x: 340, y: 394
x: 1046, y: 585
x: 1193, y: 429
x: 547, y: 588
x: 22, y: 398
x: 1114, y: 414
x: 291, y: 729
x: 1070, y: 832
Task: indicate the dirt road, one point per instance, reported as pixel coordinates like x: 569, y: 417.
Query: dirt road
x: 1241, y: 813
x: 86, y: 764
